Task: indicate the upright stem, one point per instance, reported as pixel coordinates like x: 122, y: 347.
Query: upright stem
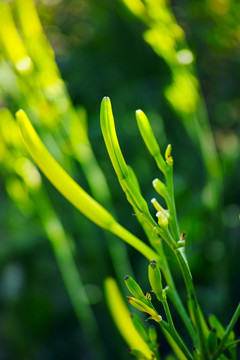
x: 172, y: 292
x: 172, y: 207
x: 176, y: 300
x: 192, y: 296
x: 173, y: 330
x: 176, y: 338
x: 168, y: 313
x: 181, y: 257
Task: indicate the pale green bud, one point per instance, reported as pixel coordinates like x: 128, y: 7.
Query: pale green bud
x: 162, y: 219
x: 158, y: 207
x: 160, y: 188
x: 138, y: 304
x: 155, y: 279
x: 147, y: 133
x: 133, y: 287
x: 168, y: 157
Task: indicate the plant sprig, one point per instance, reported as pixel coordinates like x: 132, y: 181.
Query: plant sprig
x: 166, y: 228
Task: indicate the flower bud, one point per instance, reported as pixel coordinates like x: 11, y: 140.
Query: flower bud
x: 160, y: 188
x: 147, y: 133
x: 133, y: 287
x: 158, y: 207
x: 168, y: 157
x: 140, y: 305
x: 162, y: 219
x: 148, y: 296
x: 155, y: 279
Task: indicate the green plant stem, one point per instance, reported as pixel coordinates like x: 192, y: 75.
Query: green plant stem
x: 156, y: 243
x: 168, y: 313
x: 177, y: 339
x: 157, y: 355
x: 177, y: 302
x: 166, y: 235
x: 173, y: 293
x: 181, y: 257
x: 171, y: 324
x: 227, y: 333
x: 172, y: 206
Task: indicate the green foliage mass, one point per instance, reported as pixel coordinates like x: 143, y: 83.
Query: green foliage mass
x: 53, y: 260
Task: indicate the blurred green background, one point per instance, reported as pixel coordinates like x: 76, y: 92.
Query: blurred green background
x: 100, y: 50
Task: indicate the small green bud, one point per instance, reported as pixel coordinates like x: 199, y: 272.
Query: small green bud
x: 162, y: 219
x: 168, y: 151
x: 140, y: 305
x: 133, y: 287
x: 147, y: 133
x: 155, y: 279
x: 168, y: 157
x: 140, y: 327
x: 160, y: 188
x: 152, y: 333
x: 158, y: 207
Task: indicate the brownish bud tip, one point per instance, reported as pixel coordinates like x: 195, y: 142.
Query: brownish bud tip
x: 153, y: 263
x: 183, y: 236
